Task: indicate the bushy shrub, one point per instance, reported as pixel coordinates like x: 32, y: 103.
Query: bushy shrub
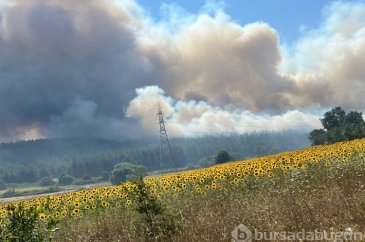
x: 24, y: 224
x: 157, y: 221
x: 65, y: 180
x: 126, y: 171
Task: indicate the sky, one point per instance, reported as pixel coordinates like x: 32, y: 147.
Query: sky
x: 100, y: 67
x: 288, y: 17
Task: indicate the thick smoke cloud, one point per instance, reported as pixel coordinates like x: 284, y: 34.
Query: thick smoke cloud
x: 217, y: 60
x: 327, y: 62
x: 53, y: 52
x: 72, y: 67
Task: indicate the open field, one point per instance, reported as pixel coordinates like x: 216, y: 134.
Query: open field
x: 320, y: 187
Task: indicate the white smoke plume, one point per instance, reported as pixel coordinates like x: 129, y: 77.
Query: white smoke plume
x: 193, y: 118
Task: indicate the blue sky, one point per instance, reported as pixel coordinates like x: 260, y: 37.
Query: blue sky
x: 288, y: 17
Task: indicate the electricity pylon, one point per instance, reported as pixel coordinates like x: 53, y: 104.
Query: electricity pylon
x: 164, y: 140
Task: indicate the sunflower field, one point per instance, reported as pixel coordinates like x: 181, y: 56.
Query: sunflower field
x: 197, y: 182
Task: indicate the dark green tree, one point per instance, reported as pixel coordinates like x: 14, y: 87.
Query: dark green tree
x: 334, y: 118
x: 223, y: 157
x: 354, y: 118
x: 318, y: 137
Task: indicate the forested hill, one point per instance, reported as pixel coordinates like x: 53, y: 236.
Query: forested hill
x: 26, y: 152
x: 28, y: 161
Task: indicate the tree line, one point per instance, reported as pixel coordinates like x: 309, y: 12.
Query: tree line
x: 98, y: 157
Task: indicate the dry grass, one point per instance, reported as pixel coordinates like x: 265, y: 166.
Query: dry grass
x: 324, y: 197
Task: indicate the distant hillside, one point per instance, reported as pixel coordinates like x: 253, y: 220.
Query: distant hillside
x: 26, y: 152
x: 28, y: 161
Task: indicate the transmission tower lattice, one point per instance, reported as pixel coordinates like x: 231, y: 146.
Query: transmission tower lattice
x: 163, y: 136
